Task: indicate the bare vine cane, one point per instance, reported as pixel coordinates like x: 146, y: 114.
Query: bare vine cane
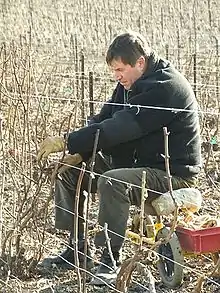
x: 141, y: 268
x: 3, y: 182
x: 125, y: 273
x: 124, y: 277
x: 144, y: 195
x: 30, y: 212
x: 108, y: 242
x: 76, y: 218
x: 51, y: 192
x: 169, y: 179
x: 91, y: 177
x: 166, y: 157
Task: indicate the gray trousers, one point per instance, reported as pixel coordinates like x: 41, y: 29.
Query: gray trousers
x: 65, y: 190
x: 118, y: 189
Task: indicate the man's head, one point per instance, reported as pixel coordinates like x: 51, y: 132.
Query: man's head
x: 127, y: 57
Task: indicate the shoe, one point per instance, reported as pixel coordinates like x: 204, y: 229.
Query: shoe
x: 106, y: 272
x: 66, y: 259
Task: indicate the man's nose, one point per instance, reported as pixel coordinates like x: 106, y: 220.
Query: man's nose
x: 118, y: 76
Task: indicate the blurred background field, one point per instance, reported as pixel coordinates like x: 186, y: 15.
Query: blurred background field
x: 53, y: 76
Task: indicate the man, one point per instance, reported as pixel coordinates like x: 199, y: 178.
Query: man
x: 150, y: 95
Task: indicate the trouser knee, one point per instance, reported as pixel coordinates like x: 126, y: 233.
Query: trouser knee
x: 110, y: 184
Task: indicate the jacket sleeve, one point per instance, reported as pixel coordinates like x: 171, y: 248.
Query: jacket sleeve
x: 106, y: 110
x: 105, y: 113
x: 126, y: 125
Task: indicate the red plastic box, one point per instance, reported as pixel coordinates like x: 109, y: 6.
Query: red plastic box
x: 199, y: 241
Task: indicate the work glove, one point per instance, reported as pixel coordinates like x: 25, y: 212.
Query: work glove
x: 50, y: 145
x: 68, y: 161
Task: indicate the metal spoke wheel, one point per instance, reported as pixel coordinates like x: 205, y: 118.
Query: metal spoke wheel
x: 171, y: 259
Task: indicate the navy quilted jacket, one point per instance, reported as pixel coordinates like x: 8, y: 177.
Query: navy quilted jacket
x: 133, y: 133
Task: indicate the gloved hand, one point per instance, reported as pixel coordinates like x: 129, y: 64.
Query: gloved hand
x: 50, y: 145
x: 68, y: 161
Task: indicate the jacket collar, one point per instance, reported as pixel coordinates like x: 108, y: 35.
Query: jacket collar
x: 152, y: 64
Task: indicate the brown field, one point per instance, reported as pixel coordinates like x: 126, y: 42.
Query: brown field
x: 52, y: 77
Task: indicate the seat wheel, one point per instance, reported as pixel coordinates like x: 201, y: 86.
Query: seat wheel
x: 171, y: 259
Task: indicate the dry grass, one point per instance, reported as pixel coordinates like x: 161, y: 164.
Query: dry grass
x: 43, y: 80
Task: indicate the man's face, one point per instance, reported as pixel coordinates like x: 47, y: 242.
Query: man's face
x: 125, y: 73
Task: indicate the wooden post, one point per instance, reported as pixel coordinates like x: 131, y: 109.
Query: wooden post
x: 91, y: 105
x: 83, y: 90
x: 194, y: 74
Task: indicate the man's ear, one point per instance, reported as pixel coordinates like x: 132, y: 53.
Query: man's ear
x: 141, y: 63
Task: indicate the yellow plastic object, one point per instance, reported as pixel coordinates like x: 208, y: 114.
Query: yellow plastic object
x: 158, y: 226
x: 136, y: 238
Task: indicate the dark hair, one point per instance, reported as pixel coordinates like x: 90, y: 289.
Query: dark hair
x: 128, y: 47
